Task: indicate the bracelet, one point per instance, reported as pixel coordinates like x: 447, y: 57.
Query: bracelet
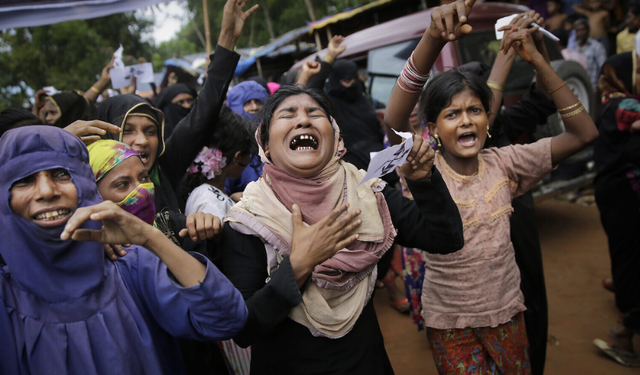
x: 566, y: 109
x: 571, y: 114
x: 95, y: 90
x: 495, y: 86
x: 558, y: 88
x: 411, y: 80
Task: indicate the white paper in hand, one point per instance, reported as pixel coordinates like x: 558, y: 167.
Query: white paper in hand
x: 386, y: 161
x: 117, y: 62
x: 122, y: 77
x: 504, y: 21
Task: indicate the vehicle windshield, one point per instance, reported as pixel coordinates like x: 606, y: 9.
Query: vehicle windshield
x: 384, y: 66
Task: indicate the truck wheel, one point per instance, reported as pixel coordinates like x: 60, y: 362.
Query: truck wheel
x: 579, y: 82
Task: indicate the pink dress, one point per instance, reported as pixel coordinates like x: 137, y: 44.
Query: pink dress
x: 479, y: 285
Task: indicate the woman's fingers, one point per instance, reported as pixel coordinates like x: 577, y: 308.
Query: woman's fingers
x: 87, y: 235
x: 449, y: 22
x: 208, y: 226
x: 296, y: 217
x: 109, y: 251
x: 89, y: 139
x: 346, y: 242
x: 436, y: 18
x: 334, y: 214
x: 217, y: 226
x: 191, y: 226
x: 461, y: 10
x: 78, y: 218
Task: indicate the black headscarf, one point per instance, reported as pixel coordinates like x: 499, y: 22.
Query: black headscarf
x: 11, y: 118
x: 116, y: 109
x: 72, y: 107
x: 360, y: 127
x: 173, y: 113
x: 345, y: 70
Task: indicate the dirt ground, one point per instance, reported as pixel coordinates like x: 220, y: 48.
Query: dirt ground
x: 576, y: 259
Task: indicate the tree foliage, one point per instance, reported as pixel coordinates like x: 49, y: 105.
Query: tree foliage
x: 68, y: 55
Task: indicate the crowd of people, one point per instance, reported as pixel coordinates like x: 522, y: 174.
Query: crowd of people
x: 229, y: 230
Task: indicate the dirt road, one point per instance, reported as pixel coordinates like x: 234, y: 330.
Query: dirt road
x: 575, y: 259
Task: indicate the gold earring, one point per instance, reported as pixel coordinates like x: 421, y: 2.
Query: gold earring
x: 488, y: 134
x: 437, y: 140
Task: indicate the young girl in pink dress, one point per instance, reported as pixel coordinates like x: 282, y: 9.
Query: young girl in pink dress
x: 471, y: 299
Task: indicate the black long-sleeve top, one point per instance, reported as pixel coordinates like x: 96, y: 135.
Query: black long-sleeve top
x: 282, y: 346
x: 192, y: 132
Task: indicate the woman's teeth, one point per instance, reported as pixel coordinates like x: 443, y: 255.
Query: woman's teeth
x: 304, y: 143
x: 467, y: 139
x: 52, y: 215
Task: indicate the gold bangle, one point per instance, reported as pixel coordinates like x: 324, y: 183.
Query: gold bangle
x: 559, y: 87
x: 571, y: 114
x: 495, y: 86
x: 95, y: 90
x: 565, y: 109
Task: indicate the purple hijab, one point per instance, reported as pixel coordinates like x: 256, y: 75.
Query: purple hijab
x: 65, y: 309
x: 244, y: 92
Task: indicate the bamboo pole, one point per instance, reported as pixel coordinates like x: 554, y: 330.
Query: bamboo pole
x: 207, y: 31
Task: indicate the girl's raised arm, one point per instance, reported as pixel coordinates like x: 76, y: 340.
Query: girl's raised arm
x: 448, y: 23
x: 579, y: 127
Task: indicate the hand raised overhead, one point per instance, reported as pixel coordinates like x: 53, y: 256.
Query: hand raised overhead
x: 448, y: 22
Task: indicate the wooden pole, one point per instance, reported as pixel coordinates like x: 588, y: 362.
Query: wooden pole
x: 263, y: 5
x: 259, y: 66
x: 207, y: 31
x: 312, y: 13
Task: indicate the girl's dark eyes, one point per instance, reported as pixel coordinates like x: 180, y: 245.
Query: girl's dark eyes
x: 450, y: 115
x: 122, y: 185
x: 145, y: 178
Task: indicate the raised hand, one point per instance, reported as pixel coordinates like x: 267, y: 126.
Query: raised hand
x: 525, y: 20
x: 118, y: 226
x: 335, y: 48
x: 420, y: 160
x: 82, y: 129
x: 106, y: 76
x: 521, y: 40
x: 233, y: 18
x: 311, y: 245
x: 309, y: 69
x: 201, y: 225
x: 448, y: 22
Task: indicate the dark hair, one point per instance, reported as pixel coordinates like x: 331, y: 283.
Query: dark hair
x: 265, y: 115
x: 234, y: 134
x: 559, y: 2
x: 582, y: 21
x: 444, y: 86
x: 12, y: 118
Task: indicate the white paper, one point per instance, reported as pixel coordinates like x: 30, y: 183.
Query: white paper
x: 50, y: 90
x: 117, y: 62
x: 122, y: 77
x: 386, y: 161
x: 504, y: 21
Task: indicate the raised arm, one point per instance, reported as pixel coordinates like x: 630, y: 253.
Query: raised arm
x: 448, y: 23
x: 105, y: 78
x: 579, y: 127
x: 190, y: 134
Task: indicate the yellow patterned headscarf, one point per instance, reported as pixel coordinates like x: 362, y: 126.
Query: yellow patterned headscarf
x: 106, y: 154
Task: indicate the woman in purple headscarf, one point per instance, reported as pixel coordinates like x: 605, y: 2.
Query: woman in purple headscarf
x: 66, y: 309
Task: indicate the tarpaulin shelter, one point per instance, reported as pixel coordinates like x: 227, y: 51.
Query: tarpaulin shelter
x: 25, y: 13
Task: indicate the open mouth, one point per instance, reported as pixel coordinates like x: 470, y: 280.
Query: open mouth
x: 144, y: 156
x: 467, y: 139
x: 54, y: 217
x: 304, y: 142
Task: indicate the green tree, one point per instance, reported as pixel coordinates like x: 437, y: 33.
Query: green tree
x: 68, y: 55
